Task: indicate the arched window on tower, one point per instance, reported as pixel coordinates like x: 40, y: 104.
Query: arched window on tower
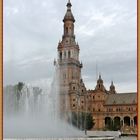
x: 60, y: 55
x: 70, y: 30
x: 69, y: 54
x: 65, y: 54
x: 66, y: 30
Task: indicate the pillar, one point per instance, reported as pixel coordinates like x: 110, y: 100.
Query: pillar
x: 132, y: 122
x: 122, y: 122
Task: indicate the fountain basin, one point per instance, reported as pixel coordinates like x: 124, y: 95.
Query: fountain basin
x: 94, y: 138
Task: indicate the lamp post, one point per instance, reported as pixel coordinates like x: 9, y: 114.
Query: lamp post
x: 85, y: 124
x: 78, y: 104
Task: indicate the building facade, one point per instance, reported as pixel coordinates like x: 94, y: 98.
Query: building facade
x: 71, y: 86
x: 107, y: 106
x: 112, y: 110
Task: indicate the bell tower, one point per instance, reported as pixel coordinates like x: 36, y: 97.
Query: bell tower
x: 68, y: 52
x: 69, y: 67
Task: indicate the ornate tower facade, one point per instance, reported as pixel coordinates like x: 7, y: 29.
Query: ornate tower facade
x: 105, y: 105
x: 71, y: 86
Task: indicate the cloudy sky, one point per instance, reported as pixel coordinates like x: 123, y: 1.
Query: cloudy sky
x: 105, y: 31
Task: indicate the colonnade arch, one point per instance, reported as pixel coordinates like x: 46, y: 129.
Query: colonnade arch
x: 115, y: 123
x: 108, y: 122
x: 127, y: 121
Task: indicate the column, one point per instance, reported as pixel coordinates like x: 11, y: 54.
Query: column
x: 122, y: 122
x: 132, y: 122
x: 112, y: 121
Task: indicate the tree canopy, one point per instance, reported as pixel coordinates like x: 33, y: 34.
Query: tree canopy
x: 82, y: 120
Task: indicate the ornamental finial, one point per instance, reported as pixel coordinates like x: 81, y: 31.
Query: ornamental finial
x: 112, y: 83
x: 99, y: 75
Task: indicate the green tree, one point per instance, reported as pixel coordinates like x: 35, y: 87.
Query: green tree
x: 20, y: 86
x: 82, y: 120
x: 89, y: 121
x: 113, y: 125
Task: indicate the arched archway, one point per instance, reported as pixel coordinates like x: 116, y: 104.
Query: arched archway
x: 127, y: 121
x: 108, y: 122
x: 135, y: 121
x: 117, y: 123
x: 69, y: 55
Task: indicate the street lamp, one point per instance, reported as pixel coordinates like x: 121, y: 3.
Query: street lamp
x: 78, y: 104
x: 85, y: 125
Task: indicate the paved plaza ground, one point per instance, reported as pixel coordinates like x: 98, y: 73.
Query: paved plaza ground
x: 110, y: 133
x: 127, y: 138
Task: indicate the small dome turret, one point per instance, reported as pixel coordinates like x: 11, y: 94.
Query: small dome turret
x: 69, y: 16
x: 112, y: 88
x: 100, y: 79
x: 100, y: 85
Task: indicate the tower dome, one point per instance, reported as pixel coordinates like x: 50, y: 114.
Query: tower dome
x: 100, y: 85
x: 112, y: 88
x: 100, y: 79
x: 69, y: 16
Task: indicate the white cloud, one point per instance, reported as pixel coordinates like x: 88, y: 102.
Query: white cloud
x: 105, y: 30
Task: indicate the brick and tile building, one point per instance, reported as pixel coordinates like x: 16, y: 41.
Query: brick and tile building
x: 107, y: 106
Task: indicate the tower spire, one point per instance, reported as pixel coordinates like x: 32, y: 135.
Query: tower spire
x: 112, y: 83
x: 69, y: 5
x: 99, y: 75
x: 69, y: 15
